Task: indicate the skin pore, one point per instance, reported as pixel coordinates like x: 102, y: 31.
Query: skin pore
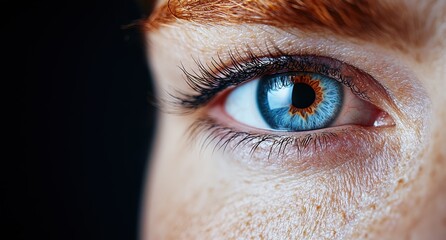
x: 364, y: 183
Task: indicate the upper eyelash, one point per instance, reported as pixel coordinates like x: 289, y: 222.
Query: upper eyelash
x: 218, y: 75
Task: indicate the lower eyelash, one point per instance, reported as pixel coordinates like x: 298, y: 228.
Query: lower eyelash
x: 275, y: 145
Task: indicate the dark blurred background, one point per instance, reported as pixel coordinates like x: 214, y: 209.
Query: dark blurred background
x: 80, y: 92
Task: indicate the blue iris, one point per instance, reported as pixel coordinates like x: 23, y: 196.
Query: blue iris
x: 299, y: 101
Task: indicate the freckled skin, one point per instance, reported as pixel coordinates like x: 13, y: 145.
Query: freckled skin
x: 394, y: 189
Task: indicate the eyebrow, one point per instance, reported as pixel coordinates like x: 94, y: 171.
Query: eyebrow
x: 391, y: 22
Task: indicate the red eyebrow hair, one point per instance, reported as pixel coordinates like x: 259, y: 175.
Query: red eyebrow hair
x: 391, y: 21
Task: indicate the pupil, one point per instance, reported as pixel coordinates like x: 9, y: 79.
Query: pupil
x: 303, y: 95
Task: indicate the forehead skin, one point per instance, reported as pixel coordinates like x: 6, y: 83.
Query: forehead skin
x: 407, y: 202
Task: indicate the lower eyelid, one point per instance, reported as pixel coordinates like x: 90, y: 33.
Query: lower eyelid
x: 321, y: 149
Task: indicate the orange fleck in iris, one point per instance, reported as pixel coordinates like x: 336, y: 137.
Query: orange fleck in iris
x: 315, y: 85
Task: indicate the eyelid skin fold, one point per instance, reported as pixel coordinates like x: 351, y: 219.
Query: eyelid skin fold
x: 217, y: 75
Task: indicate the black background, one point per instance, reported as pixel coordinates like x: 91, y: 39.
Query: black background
x: 80, y: 92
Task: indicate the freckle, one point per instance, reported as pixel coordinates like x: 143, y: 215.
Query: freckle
x: 344, y: 215
x: 318, y: 207
x: 433, y: 173
x: 439, y: 159
x: 400, y: 184
x: 305, y: 233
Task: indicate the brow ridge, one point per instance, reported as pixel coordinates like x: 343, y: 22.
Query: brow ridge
x: 378, y: 21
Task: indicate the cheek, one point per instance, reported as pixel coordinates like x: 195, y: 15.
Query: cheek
x: 433, y: 175
x: 200, y: 194
x: 182, y: 186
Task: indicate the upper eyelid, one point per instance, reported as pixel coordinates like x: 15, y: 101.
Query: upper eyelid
x: 209, y: 81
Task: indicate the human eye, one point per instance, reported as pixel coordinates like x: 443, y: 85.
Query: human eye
x: 302, y: 99
x: 279, y: 103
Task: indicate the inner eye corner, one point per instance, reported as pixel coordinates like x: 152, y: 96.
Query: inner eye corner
x: 384, y: 119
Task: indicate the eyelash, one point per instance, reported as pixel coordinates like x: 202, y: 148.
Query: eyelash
x: 216, y: 76
x: 277, y: 143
